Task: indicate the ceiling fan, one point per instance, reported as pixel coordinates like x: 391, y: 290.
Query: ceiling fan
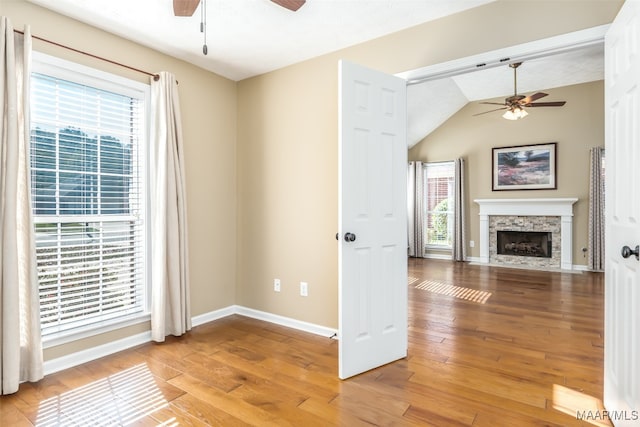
x: 187, y: 7
x: 515, y: 104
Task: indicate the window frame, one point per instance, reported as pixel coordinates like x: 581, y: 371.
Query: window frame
x: 450, y: 212
x: 80, y: 74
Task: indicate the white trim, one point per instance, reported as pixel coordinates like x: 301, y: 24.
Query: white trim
x: 93, y: 353
x: 97, y: 328
x: 441, y: 248
x: 82, y: 74
x: 438, y: 256
x: 211, y: 316
x: 562, y: 207
x: 527, y: 207
x: 286, y: 321
x: 518, y: 53
x: 581, y: 267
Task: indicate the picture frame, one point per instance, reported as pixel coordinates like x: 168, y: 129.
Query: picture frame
x: 525, y: 167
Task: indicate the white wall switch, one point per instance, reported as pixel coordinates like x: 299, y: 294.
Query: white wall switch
x: 472, y: 243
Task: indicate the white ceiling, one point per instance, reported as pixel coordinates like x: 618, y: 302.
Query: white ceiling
x: 251, y: 37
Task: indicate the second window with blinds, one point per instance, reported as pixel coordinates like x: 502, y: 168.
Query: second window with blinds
x: 439, y: 204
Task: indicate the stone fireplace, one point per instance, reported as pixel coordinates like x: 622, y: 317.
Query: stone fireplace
x: 527, y: 232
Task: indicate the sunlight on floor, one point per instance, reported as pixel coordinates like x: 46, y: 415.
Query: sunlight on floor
x: 454, y: 291
x: 581, y: 406
x: 119, y: 399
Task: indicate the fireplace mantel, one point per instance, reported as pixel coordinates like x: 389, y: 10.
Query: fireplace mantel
x: 562, y: 207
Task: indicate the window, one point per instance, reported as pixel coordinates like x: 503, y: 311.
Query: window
x: 439, y: 200
x: 88, y: 194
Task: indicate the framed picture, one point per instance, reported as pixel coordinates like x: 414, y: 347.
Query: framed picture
x: 525, y: 167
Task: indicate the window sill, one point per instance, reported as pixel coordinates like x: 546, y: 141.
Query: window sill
x: 438, y: 248
x: 60, y: 338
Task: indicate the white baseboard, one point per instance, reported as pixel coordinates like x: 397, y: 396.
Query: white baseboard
x: 447, y: 257
x: 438, y: 256
x: 213, y: 315
x: 286, y: 321
x: 580, y: 267
x: 93, y: 353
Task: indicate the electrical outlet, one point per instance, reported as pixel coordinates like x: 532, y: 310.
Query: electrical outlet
x: 304, y: 289
x: 472, y: 243
x: 276, y: 285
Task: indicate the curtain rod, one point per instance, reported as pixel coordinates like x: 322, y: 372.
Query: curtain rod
x: 155, y: 76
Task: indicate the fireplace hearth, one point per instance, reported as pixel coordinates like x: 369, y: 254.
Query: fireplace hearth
x: 524, y: 243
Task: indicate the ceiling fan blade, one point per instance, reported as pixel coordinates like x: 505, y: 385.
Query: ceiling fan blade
x: 292, y: 5
x: 493, y: 103
x: 490, y: 111
x: 529, y: 99
x: 185, y: 7
x: 547, y: 104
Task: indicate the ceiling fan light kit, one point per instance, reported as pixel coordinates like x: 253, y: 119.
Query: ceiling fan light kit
x: 515, y: 114
x: 515, y: 104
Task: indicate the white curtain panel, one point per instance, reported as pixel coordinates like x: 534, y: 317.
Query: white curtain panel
x: 20, y: 339
x: 415, y: 209
x: 170, y: 305
x: 459, y: 250
x: 596, y: 210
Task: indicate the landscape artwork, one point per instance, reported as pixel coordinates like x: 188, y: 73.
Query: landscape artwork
x: 525, y: 167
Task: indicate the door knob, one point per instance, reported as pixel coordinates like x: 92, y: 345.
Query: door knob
x: 626, y: 251
x: 349, y: 237
x: 337, y: 236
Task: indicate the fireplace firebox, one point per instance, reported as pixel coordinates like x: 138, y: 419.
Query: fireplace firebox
x: 524, y: 243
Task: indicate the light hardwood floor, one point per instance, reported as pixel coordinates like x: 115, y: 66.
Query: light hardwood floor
x: 487, y: 347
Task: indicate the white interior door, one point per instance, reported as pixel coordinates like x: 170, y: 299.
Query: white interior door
x: 372, y: 219
x: 622, y: 273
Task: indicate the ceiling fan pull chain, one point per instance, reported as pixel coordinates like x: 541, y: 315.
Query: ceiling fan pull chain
x: 203, y: 25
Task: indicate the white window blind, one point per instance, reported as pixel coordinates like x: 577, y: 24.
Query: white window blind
x: 87, y: 186
x: 439, y: 203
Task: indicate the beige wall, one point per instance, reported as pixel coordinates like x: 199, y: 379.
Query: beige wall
x: 576, y: 127
x: 261, y: 155
x: 208, y: 105
x: 288, y: 149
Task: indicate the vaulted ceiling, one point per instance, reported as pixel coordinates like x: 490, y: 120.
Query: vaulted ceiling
x: 432, y: 102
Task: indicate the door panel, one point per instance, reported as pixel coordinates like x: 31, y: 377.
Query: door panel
x: 372, y: 205
x: 622, y: 275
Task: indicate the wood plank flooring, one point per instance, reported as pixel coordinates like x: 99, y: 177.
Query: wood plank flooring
x: 487, y: 347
